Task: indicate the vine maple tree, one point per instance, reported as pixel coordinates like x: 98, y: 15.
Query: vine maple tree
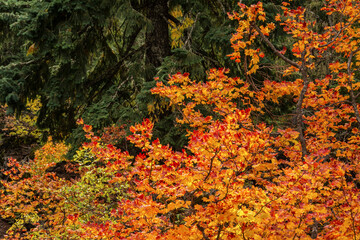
x: 28, y: 194
x: 239, y: 178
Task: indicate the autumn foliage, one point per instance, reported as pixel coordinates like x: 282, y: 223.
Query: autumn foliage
x: 238, y: 177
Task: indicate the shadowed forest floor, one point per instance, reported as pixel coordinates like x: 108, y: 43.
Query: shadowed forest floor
x: 4, y: 226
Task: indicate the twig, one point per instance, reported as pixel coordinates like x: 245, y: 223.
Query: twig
x: 274, y: 49
x: 282, y: 194
x: 222, y: 7
x: 190, y: 33
x: 338, y: 33
x: 211, y: 165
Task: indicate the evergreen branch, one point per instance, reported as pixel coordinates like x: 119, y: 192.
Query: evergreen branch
x: 110, y: 74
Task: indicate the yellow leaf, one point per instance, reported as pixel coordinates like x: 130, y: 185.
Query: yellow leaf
x: 31, y: 50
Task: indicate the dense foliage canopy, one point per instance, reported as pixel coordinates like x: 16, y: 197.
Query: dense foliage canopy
x: 267, y: 148
x: 97, y: 59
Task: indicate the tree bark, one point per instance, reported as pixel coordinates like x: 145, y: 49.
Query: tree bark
x: 157, y: 40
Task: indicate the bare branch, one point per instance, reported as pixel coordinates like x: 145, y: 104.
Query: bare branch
x: 186, y: 44
x: 281, y: 195
x: 302, y: 68
x: 22, y: 63
x: 211, y: 165
x: 295, y: 64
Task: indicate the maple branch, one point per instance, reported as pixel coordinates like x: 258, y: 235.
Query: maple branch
x: 248, y: 78
x: 227, y: 191
x: 351, y: 210
x: 217, y: 63
x: 299, y: 119
x: 302, y: 69
x: 243, y: 234
x: 150, y: 226
x: 211, y: 165
x: 298, y: 227
x: 248, y: 129
x: 202, y: 230
x: 333, y: 212
x: 353, y: 99
x: 282, y: 194
x: 64, y: 217
x: 267, y: 41
x: 170, y: 17
x: 314, y: 229
x: 220, y: 229
x: 333, y: 40
x: 339, y: 32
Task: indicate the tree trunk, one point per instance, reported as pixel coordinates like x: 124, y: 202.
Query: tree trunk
x: 157, y: 36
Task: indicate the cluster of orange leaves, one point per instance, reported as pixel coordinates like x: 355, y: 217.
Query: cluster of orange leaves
x: 237, y: 178
x: 29, y: 196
